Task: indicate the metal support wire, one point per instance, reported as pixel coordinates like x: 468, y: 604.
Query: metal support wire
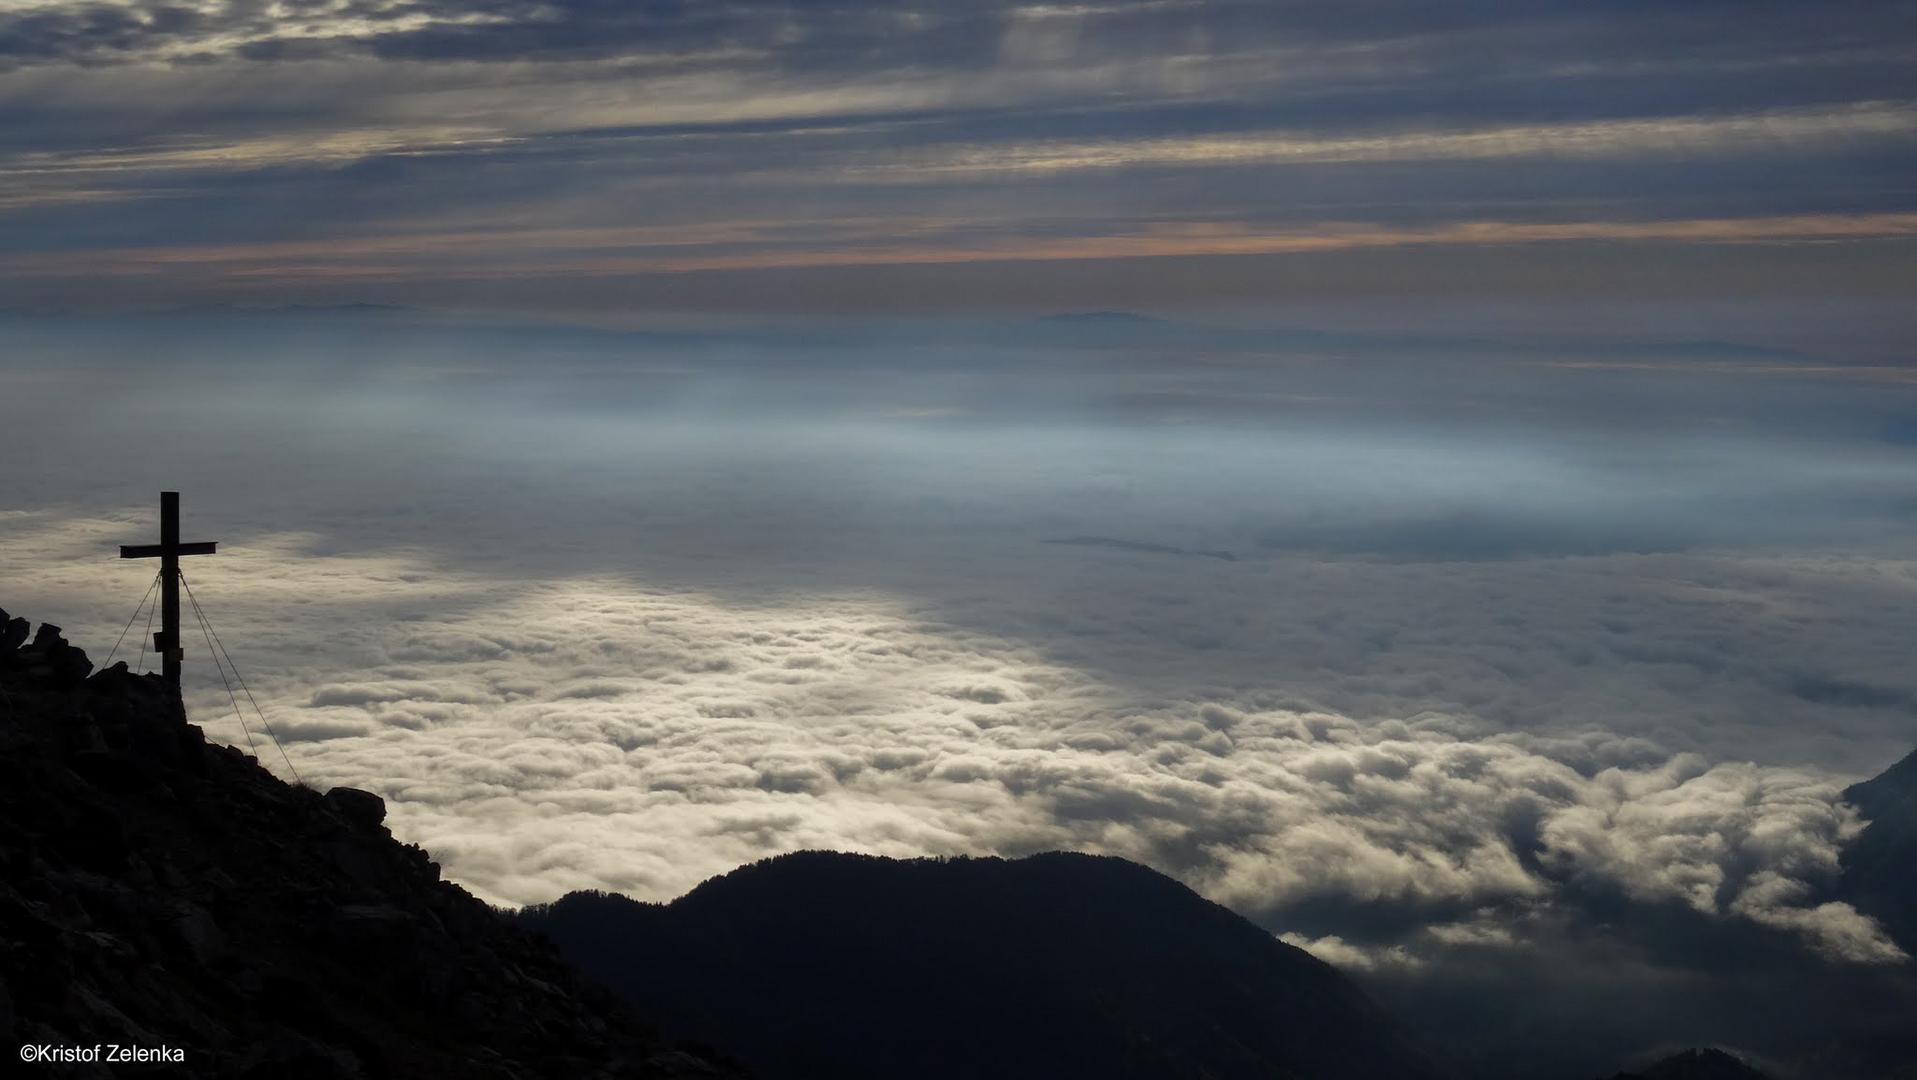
x: 207, y: 632
x: 129, y: 625
x: 146, y: 636
x: 206, y: 625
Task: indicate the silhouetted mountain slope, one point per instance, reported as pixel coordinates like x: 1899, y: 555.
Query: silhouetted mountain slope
x: 851, y: 967
x: 159, y: 891
x: 1696, y: 1065
x: 1880, y: 866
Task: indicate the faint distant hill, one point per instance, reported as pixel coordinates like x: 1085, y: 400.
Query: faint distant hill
x: 1140, y: 546
x: 1107, y: 329
x: 1102, y: 318
x: 260, y: 333
x: 1107, y: 321
x: 158, y: 890
x: 1880, y: 866
x: 1696, y: 1065
x: 821, y: 965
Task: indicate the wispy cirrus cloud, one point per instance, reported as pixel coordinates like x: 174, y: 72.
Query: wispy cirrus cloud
x: 928, y: 133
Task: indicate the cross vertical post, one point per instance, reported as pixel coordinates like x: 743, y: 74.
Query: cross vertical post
x: 171, y: 652
x: 168, y: 551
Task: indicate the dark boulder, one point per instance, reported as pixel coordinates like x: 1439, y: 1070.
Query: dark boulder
x: 51, y: 659
x: 363, y: 809
x: 13, y: 633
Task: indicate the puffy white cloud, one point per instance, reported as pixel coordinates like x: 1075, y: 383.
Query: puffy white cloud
x: 1838, y: 929
x: 1335, y: 950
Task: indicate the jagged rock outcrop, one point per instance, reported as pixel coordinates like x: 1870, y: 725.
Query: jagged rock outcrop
x: 825, y: 965
x: 49, y: 659
x: 160, y: 891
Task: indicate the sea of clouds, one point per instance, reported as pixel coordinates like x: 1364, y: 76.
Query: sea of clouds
x: 594, y: 622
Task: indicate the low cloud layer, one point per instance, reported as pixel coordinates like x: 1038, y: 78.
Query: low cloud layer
x: 590, y: 734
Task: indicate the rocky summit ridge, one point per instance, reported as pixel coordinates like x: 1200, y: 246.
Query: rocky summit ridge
x: 161, y: 892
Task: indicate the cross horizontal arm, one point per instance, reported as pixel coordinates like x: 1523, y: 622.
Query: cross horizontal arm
x: 155, y: 551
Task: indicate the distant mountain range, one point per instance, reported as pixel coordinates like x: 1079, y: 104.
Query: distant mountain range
x: 1140, y: 546
x: 1112, y: 328
x: 823, y: 965
x: 1095, y: 330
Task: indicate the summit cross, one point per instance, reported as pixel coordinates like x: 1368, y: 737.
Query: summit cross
x: 168, y: 551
